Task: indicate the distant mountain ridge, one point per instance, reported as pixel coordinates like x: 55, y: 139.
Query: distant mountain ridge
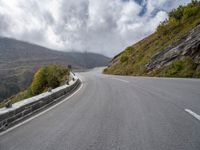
x: 15, y: 50
x: 19, y: 60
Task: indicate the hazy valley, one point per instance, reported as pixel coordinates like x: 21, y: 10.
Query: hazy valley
x: 20, y: 60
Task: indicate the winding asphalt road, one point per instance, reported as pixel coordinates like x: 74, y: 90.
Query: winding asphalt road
x: 117, y: 113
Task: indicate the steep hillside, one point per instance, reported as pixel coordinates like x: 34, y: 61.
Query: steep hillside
x: 173, y: 50
x: 19, y: 61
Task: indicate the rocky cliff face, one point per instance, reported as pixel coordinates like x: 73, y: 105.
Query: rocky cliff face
x: 188, y: 46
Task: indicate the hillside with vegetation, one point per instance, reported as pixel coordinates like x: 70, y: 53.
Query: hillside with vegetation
x: 172, y: 51
x: 20, y: 60
x: 47, y: 77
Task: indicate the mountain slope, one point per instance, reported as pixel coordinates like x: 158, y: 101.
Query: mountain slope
x: 14, y: 52
x: 173, y: 50
x: 19, y: 61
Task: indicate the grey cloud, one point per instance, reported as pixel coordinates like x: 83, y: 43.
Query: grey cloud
x: 85, y: 25
x: 4, y: 26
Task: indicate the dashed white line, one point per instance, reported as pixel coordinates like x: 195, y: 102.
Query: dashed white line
x: 41, y: 113
x: 193, y: 114
x: 121, y: 80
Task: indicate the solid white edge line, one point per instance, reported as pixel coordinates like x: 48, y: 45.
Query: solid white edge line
x: 121, y: 80
x: 193, y: 114
x: 41, y: 113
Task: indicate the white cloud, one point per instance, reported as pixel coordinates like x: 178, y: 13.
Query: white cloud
x: 100, y: 26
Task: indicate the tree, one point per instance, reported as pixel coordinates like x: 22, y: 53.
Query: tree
x: 177, y: 13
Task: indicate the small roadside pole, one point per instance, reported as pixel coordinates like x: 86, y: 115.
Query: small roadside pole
x: 70, y: 70
x: 70, y: 67
x: 50, y: 89
x: 8, y: 103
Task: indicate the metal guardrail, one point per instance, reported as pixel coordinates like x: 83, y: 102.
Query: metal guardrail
x: 11, y: 117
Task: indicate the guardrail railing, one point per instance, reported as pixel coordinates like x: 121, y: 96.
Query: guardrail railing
x: 27, y: 107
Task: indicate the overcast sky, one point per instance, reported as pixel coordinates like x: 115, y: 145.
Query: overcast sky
x: 102, y: 26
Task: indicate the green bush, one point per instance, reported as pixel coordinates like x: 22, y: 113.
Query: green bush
x: 181, y: 68
x: 177, y: 13
x: 39, y: 81
x: 190, y: 11
x: 128, y: 50
x: 162, y: 28
x: 176, y: 67
x: 179, y: 16
x: 123, y: 59
x: 173, y: 23
x: 50, y: 76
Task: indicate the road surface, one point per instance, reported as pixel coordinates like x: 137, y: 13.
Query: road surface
x: 116, y: 113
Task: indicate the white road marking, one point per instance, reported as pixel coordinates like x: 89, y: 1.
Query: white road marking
x: 41, y: 113
x: 121, y: 80
x: 193, y: 114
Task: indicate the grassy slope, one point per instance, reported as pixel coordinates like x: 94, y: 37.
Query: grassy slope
x: 133, y: 59
x: 20, y: 60
x: 50, y: 76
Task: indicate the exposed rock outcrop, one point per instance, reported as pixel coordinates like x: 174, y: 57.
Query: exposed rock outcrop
x: 189, y: 46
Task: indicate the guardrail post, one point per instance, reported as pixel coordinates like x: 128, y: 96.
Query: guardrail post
x: 49, y: 89
x: 8, y: 104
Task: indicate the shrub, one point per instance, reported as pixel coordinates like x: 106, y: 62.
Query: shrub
x: 50, y: 76
x: 123, y: 59
x: 128, y: 50
x: 162, y: 28
x: 39, y: 81
x: 190, y: 11
x: 177, y: 13
x: 181, y: 68
x: 178, y: 17
x: 173, y: 23
x: 126, y: 54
